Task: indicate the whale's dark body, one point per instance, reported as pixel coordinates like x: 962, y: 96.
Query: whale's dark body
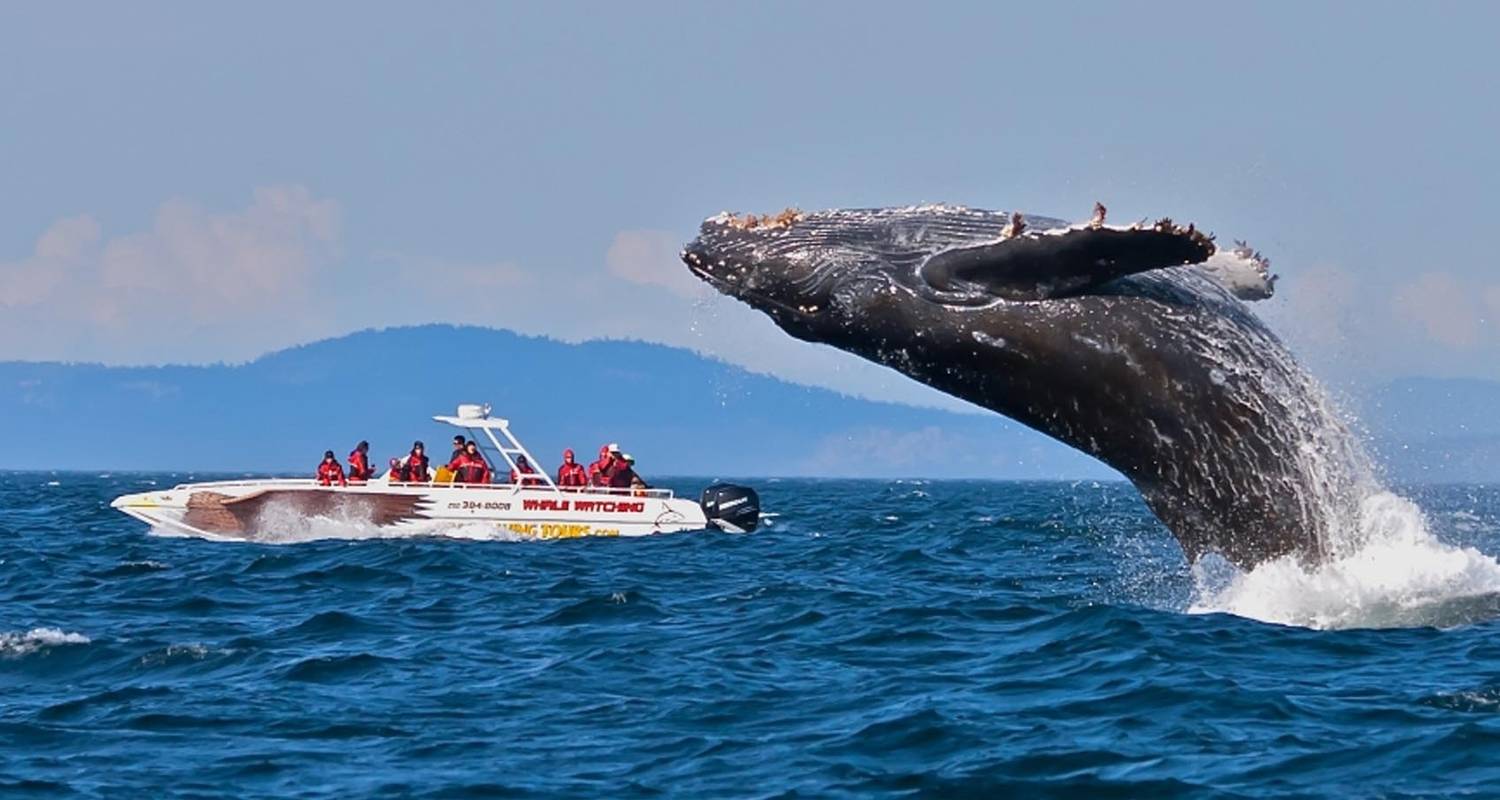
x: 1103, y: 338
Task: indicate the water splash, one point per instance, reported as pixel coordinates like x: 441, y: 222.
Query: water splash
x: 16, y: 645
x: 1381, y: 565
x: 1389, y: 571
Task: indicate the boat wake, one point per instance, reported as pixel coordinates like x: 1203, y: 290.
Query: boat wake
x: 1389, y: 571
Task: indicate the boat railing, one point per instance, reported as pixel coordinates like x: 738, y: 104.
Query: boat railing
x: 235, y: 484
x: 540, y: 488
x: 665, y: 494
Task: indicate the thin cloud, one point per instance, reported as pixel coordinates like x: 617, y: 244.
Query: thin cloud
x: 650, y: 258
x: 59, y: 252
x: 194, y: 284
x: 1446, y: 310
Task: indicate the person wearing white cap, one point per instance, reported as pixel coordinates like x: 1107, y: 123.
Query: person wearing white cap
x: 620, y: 474
x: 638, y: 486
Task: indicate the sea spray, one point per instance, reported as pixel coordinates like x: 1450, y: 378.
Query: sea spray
x: 1380, y: 566
x: 1389, y: 571
x: 18, y: 644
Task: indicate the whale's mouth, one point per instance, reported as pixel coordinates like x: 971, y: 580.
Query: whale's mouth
x: 739, y: 284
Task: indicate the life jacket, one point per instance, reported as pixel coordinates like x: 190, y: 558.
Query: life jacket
x: 470, y: 469
x: 416, y: 468
x: 572, y: 475
x: 619, y: 475
x: 359, y: 467
x: 329, y: 472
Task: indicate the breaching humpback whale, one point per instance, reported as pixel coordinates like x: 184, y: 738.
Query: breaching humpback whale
x: 1129, y: 343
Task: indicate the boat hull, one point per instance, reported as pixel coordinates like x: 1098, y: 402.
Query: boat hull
x: 270, y: 510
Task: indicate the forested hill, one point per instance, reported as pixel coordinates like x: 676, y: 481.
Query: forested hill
x: 678, y: 412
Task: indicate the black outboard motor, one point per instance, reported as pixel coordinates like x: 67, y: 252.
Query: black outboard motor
x: 731, y: 508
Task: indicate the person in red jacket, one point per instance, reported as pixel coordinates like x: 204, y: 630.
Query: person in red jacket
x: 620, y: 473
x: 571, y: 474
x: 522, y: 470
x: 330, y: 471
x: 359, y: 463
x: 596, y: 469
x: 416, y: 464
x: 469, y: 466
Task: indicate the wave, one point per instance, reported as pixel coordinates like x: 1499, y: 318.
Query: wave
x: 1392, y: 571
x: 16, y: 645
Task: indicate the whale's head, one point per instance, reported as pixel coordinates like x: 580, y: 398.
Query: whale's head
x: 841, y: 276
x: 763, y: 262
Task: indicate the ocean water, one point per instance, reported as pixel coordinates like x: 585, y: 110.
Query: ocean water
x: 876, y: 639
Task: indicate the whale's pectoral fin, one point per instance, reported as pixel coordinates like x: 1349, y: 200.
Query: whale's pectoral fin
x: 1046, y: 265
x: 1243, y: 271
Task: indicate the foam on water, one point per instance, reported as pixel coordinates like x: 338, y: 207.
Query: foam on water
x: 1392, y: 571
x: 16, y: 644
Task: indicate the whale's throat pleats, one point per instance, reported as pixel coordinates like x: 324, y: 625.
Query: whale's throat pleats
x: 1039, y: 267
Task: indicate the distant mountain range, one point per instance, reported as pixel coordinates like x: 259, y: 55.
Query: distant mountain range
x: 678, y: 412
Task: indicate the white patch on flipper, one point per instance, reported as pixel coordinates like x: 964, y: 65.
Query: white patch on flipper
x: 1244, y: 272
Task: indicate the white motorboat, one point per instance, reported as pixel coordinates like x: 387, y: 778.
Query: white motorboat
x: 251, y: 509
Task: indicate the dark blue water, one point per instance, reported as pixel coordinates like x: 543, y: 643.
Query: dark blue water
x: 877, y: 640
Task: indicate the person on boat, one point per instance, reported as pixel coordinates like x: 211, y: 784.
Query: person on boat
x: 638, y: 486
x: 398, y: 471
x: 597, y: 469
x: 359, y: 463
x: 330, y: 471
x: 469, y: 465
x: 621, y: 471
x: 522, y: 471
x: 571, y: 474
x: 416, y: 464
x: 458, y: 448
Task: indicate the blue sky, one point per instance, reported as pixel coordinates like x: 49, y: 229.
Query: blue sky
x: 198, y: 182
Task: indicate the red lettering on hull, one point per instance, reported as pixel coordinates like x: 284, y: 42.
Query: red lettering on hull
x: 611, y: 506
